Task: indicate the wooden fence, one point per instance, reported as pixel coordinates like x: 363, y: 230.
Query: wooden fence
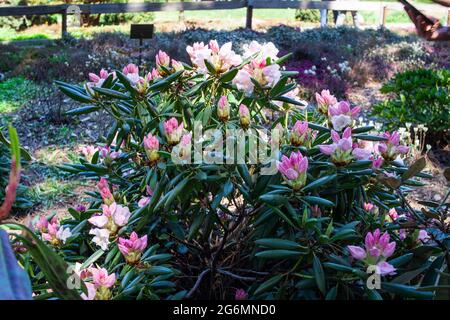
x: 65, y: 9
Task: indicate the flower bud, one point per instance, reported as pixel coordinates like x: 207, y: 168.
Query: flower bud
x: 223, y: 109
x: 173, y: 131
x: 151, y: 146
x: 133, y: 247
x: 244, y: 116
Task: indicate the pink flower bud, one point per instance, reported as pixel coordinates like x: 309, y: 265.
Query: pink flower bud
x: 133, y: 247
x: 241, y: 294
x: 223, y: 109
x: 244, y: 116
x: 294, y: 169
x: 173, y: 130
x: 106, y: 194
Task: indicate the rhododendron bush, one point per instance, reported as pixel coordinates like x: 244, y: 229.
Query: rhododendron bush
x: 322, y: 215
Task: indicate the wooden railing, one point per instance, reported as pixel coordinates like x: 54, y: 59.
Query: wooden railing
x: 65, y: 9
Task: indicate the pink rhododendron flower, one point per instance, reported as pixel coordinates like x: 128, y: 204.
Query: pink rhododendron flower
x: 121, y: 215
x: 300, y: 134
x: 391, y: 148
x: 361, y: 154
x: 266, y: 75
x: 368, y: 206
x: 91, y: 291
x: 88, y: 152
x: 173, y: 130
x: 133, y: 247
x: 107, y: 154
x: 223, y: 109
x: 260, y: 51
x: 102, y: 282
x: 340, y: 150
x: 131, y: 71
x: 220, y: 58
x: 97, y: 80
x: 244, y: 116
x: 162, y: 60
x: 393, y: 215
x: 112, y: 218
x: 146, y: 200
x: 177, y: 65
x: 151, y: 146
x: 342, y: 116
x: 324, y: 101
x: 384, y: 268
x: 423, y: 236
x: 376, y: 162
x: 377, y: 250
x: 42, y: 224
x: 105, y: 193
x: 241, y: 294
x: 181, y: 153
x: 154, y: 74
x: 294, y: 169
x: 53, y: 232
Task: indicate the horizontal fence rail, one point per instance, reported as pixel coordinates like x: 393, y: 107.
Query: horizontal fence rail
x: 382, y: 7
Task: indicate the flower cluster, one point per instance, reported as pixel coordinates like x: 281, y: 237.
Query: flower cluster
x: 113, y: 217
x: 342, y: 116
x: 133, y: 247
x: 392, y: 148
x: 52, y: 232
x: 151, y: 146
x: 294, y: 169
x: 220, y: 58
x: 324, y: 100
x: 377, y: 250
x: 98, y: 282
x: 300, y: 134
x: 173, y: 130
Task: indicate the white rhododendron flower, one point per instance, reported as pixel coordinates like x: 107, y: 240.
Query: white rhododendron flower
x: 101, y: 237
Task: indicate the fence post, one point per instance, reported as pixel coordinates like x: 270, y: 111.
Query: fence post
x: 248, y: 22
x: 64, y: 24
x: 385, y: 9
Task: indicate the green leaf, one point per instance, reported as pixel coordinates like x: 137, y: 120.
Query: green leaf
x: 279, y: 244
x: 76, y: 95
x: 279, y: 254
x: 175, y: 192
x: 229, y: 75
x: 210, y: 67
x: 406, y: 291
x: 269, y: 284
x: 399, y: 261
x: 111, y: 93
x: 94, y: 257
x: 158, y: 270
x: 317, y: 200
x: 319, y: 275
x: 332, y: 294
x: 369, y: 137
x: 319, y: 182
x: 273, y: 199
x: 82, y: 110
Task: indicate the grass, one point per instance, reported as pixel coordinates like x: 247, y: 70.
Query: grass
x: 14, y: 92
x: 237, y: 16
x: 53, y: 186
